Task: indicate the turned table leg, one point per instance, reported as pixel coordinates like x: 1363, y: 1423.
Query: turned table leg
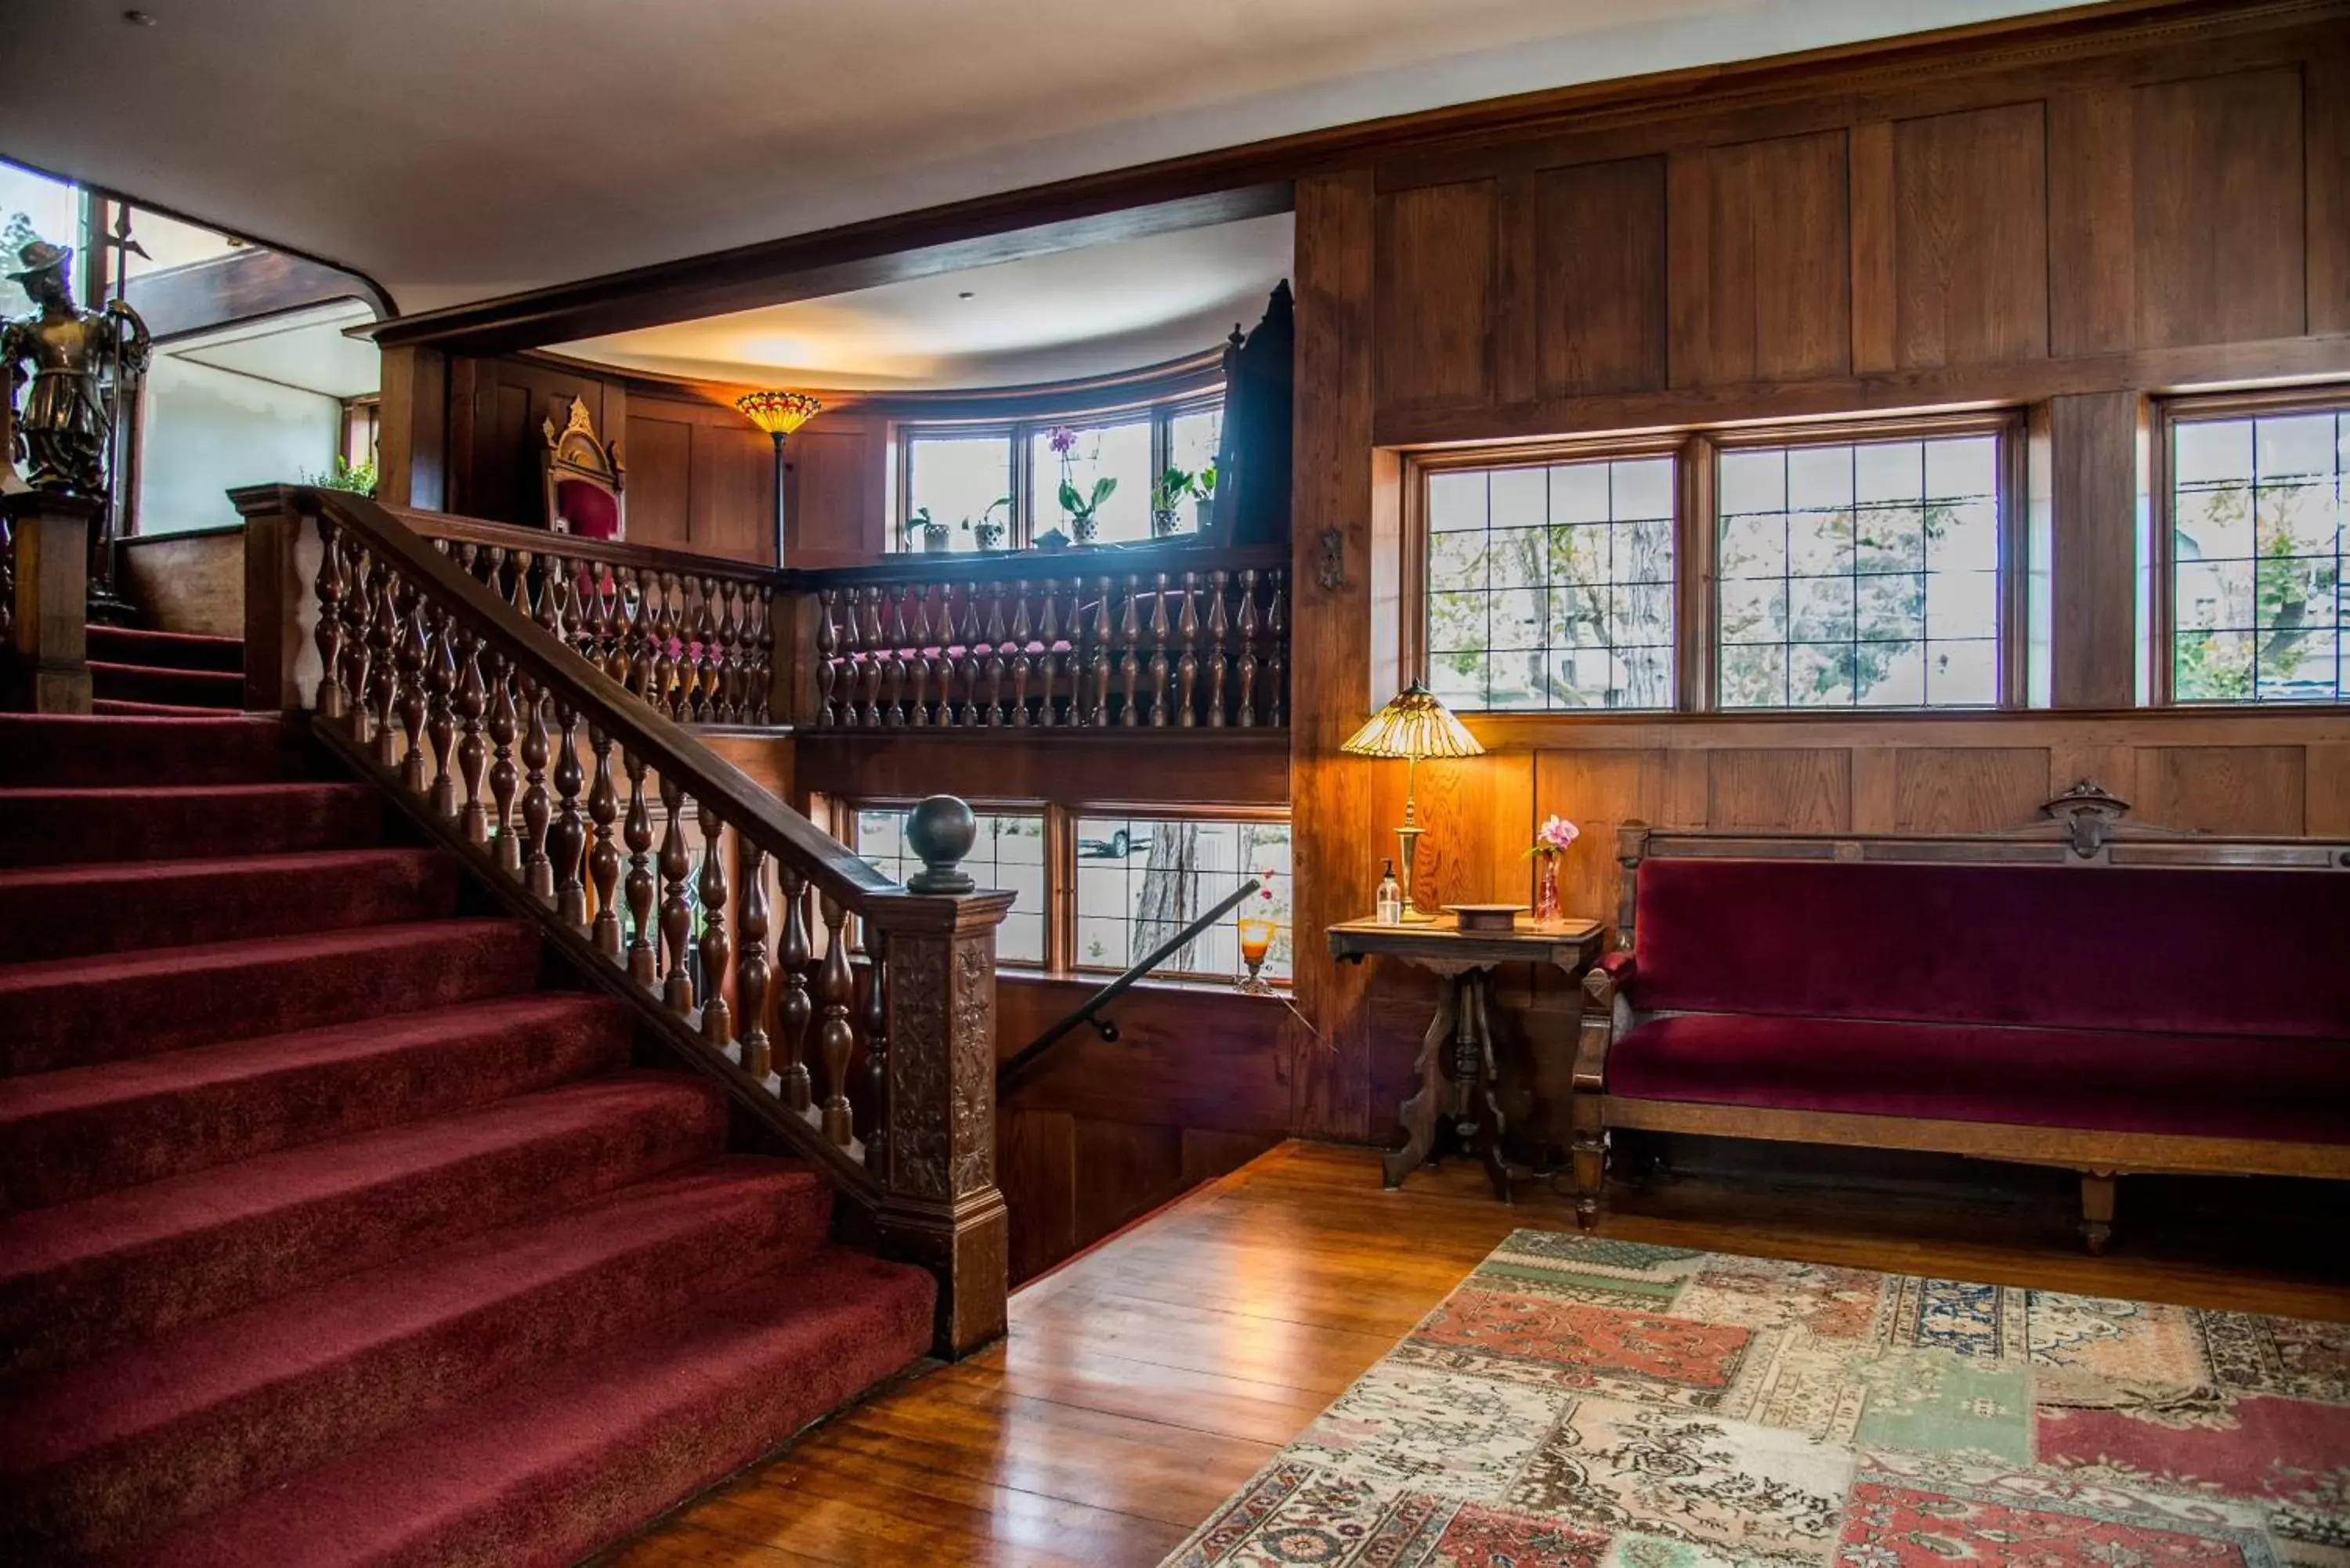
x: 2097, y: 1210
x: 1419, y: 1113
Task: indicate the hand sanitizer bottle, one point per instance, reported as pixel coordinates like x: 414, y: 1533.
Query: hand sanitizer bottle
x: 1388, y: 910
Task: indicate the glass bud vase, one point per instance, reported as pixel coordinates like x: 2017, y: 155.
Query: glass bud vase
x: 1545, y: 890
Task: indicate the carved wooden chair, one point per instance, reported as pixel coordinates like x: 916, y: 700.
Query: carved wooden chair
x: 583, y: 479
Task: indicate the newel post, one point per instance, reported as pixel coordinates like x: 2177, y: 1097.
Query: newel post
x: 48, y: 547
x: 941, y: 1207
x: 279, y: 540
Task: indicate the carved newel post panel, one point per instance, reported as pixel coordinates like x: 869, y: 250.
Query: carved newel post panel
x: 941, y: 1207
x: 48, y: 587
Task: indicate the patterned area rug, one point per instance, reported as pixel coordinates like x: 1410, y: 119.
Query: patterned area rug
x: 1608, y: 1404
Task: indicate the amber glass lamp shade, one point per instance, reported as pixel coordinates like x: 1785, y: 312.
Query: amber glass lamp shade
x: 778, y: 414
x: 1414, y: 724
x: 1256, y: 940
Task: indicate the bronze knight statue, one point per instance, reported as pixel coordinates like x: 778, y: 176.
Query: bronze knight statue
x: 74, y: 359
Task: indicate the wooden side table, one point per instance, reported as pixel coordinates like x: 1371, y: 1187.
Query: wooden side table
x: 1463, y: 1088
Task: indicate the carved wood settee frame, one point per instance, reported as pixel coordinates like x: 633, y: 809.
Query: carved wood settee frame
x: 2083, y: 828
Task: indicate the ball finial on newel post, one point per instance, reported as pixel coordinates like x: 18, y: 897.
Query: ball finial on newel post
x: 942, y: 830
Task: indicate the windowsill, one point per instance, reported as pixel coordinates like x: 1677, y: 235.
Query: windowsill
x: 1161, y: 984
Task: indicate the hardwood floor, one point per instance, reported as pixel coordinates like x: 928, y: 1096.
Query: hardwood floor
x: 1145, y: 1381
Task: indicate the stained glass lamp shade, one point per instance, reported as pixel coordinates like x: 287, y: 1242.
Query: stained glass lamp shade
x: 1414, y: 724
x: 778, y: 414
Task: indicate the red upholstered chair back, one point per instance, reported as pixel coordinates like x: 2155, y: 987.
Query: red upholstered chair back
x: 588, y: 510
x: 584, y: 478
x: 2172, y: 949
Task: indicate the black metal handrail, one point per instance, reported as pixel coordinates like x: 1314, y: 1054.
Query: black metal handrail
x: 1089, y: 1012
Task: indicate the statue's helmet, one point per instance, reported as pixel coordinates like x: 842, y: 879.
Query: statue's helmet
x: 38, y: 257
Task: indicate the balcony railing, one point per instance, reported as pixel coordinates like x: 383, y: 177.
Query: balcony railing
x: 1168, y: 636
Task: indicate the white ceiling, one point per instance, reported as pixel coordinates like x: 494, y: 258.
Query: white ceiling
x: 1065, y: 315
x: 454, y: 150
x: 305, y: 349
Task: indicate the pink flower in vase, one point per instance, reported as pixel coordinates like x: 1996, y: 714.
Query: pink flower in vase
x: 1555, y: 837
x: 1062, y: 439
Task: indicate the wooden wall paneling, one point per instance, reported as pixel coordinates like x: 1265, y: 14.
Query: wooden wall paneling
x: 1124, y: 1169
x: 659, y: 452
x: 1598, y: 791
x: 2110, y: 764
x: 2098, y: 438
x: 834, y: 490
x: 1795, y: 789
x: 1036, y: 1170
x: 504, y: 467
x: 1479, y: 813
x: 1969, y: 236
x: 2223, y: 789
x: 1876, y: 788
x: 1195, y: 1056
x: 2221, y: 203
x: 2325, y: 107
x: 1598, y: 238
x: 1208, y: 1155
x: 412, y: 444
x: 1969, y: 789
x: 1330, y: 641
x: 1688, y: 267
x: 193, y: 581
x: 732, y: 508
x: 2325, y: 790
x: 1778, y: 302
x: 1137, y: 769
x: 2092, y: 229
x: 1875, y: 311
x: 1435, y: 280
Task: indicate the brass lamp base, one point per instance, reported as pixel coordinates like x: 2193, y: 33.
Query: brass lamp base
x: 1407, y: 838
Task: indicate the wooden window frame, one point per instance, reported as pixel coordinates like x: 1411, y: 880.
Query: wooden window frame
x: 2162, y: 542
x: 1695, y: 534
x: 1021, y: 525
x: 838, y: 813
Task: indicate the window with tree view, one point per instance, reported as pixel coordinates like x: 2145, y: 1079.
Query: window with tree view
x: 1859, y: 574
x: 1141, y: 879
x: 1009, y: 854
x: 2256, y: 512
x: 1551, y: 587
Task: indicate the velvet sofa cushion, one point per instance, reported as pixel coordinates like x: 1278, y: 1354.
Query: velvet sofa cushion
x: 2183, y: 950
x: 2106, y: 1080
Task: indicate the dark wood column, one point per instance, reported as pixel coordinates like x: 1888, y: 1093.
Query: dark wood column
x: 49, y: 565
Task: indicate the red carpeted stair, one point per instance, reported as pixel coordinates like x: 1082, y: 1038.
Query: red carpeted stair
x: 134, y: 671
x: 330, y: 1233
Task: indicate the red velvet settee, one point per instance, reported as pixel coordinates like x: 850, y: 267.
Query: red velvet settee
x: 2084, y: 995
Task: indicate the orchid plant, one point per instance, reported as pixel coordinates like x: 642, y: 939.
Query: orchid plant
x: 1554, y: 838
x: 1079, y: 505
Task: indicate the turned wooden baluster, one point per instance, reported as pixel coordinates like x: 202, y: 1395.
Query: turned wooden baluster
x: 604, y: 858
x: 852, y: 668
x: 1187, y: 668
x: 1130, y: 661
x: 993, y: 715
x: 584, y: 582
x: 1217, y: 631
x: 836, y: 1037
x: 383, y: 643
x: 1021, y: 633
x: 663, y: 690
x: 705, y: 660
x: 473, y: 700
x: 889, y: 662
x: 751, y: 967
x: 877, y: 1050
x: 828, y: 665
x: 333, y: 698
x: 763, y: 665
x: 1276, y: 637
x: 568, y: 842
x: 918, y: 659
x: 728, y: 710
x: 555, y: 610
x: 1099, y: 637
x: 619, y: 630
x: 493, y: 570
x: 1158, y: 631
x: 415, y: 658
x: 942, y: 664
x: 505, y: 724
x: 974, y: 633
x: 640, y: 636
x: 901, y: 664
x: 676, y: 914
x: 794, y: 1010
x: 717, y: 949
x: 538, y: 871
x: 358, y: 619
x: 877, y: 657
x: 440, y: 722
x: 518, y: 590
x: 1247, y: 634
x: 1048, y: 660
x: 644, y: 956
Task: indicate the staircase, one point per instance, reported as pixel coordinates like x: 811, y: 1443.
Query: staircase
x: 332, y: 1230
x: 163, y: 672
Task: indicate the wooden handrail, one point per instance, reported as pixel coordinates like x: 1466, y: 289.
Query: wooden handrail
x: 1171, y: 555
x: 460, y: 529
x: 472, y: 713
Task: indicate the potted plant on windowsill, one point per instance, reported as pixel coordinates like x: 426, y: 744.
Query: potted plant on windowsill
x: 1203, y: 498
x: 1081, y: 505
x: 937, y: 537
x: 987, y: 528
x: 1174, y: 487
